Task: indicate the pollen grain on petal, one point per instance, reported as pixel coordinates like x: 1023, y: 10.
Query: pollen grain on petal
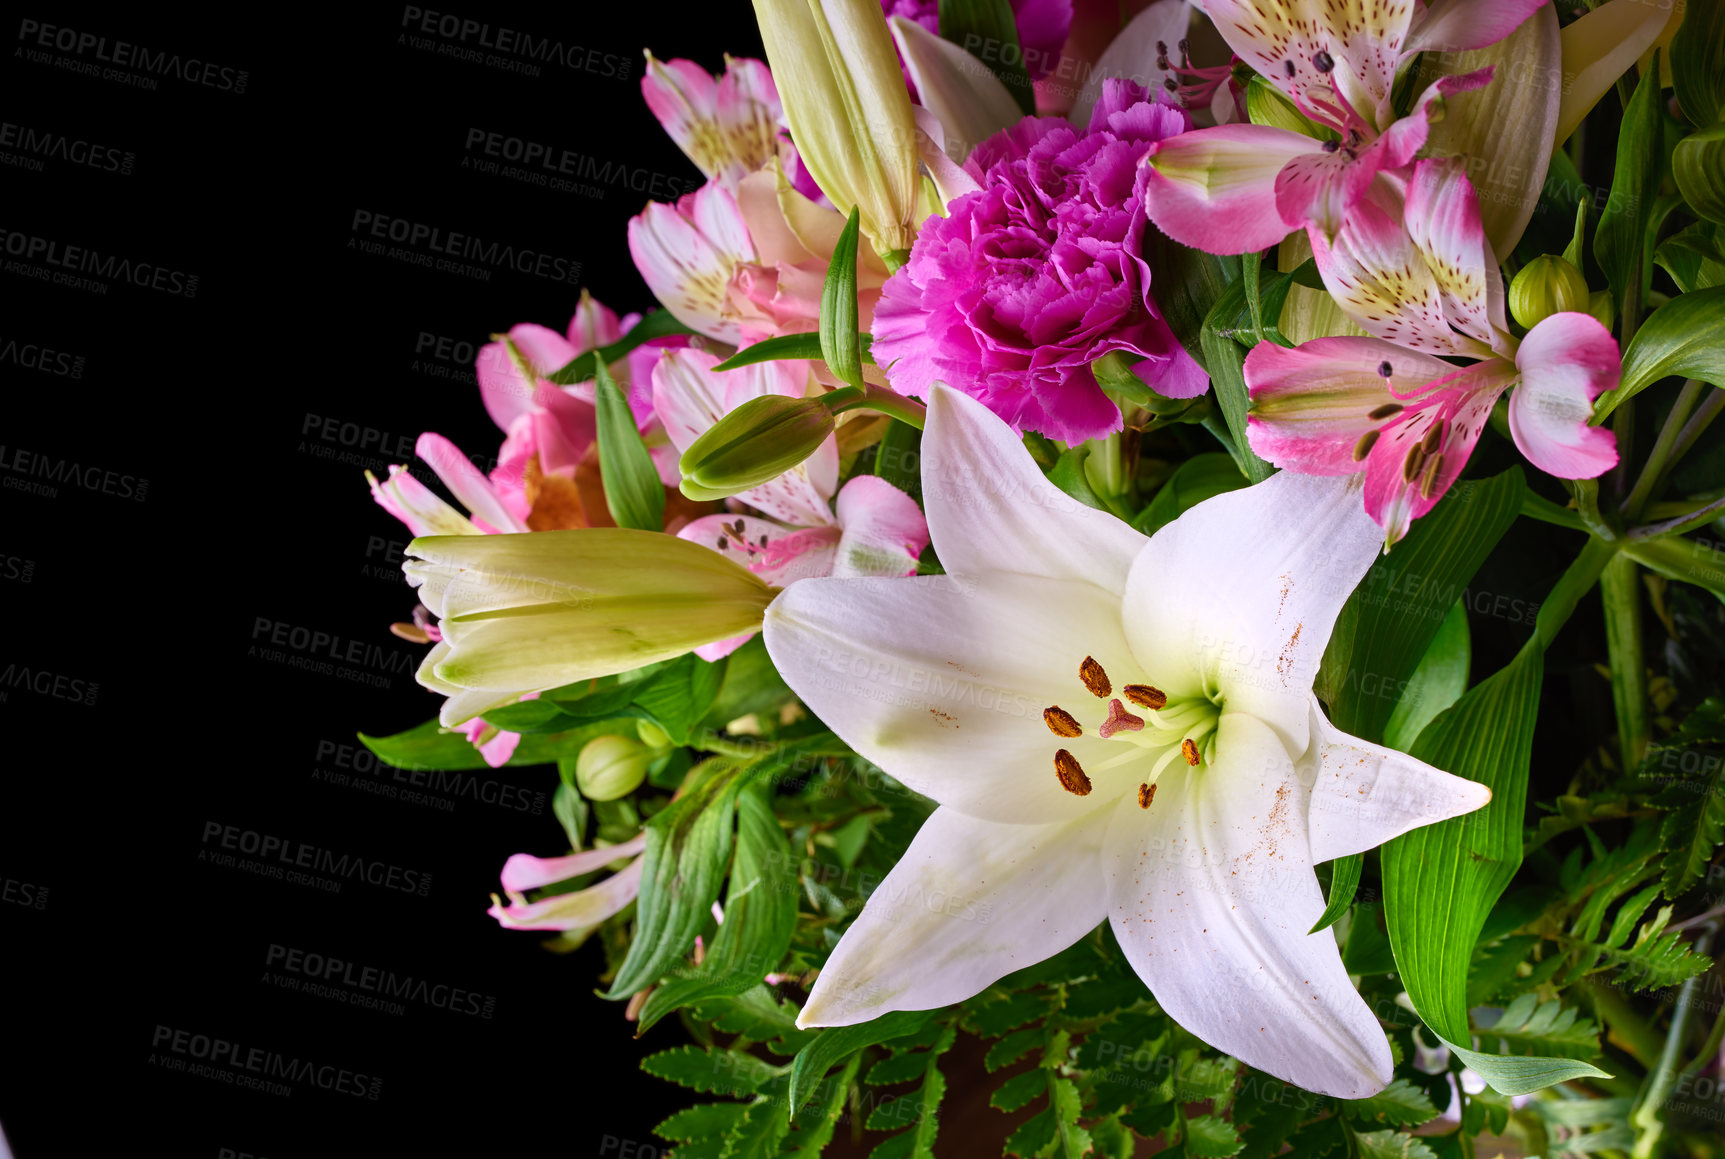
x: 1095, y: 678
x: 1060, y: 722
x: 1146, y: 794
x: 1189, y: 750
x: 1071, y: 774
x: 1145, y: 695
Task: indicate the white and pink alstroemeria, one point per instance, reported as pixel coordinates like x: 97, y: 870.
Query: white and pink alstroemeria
x: 568, y: 912
x: 1241, y: 188
x: 1115, y: 729
x: 1414, y: 268
x: 729, y: 125
x: 870, y: 528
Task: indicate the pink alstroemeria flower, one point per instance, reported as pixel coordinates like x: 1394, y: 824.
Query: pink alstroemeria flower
x: 580, y: 910
x: 549, y: 429
x: 872, y: 529
x: 1421, y: 277
x: 1242, y: 188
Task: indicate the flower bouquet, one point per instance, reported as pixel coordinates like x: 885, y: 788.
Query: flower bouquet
x: 1079, y: 596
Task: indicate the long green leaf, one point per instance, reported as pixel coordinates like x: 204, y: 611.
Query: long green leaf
x: 1698, y: 62
x: 1226, y: 362
x: 688, y: 845
x: 1617, y: 243
x: 1437, y: 683
x: 988, y: 31
x: 804, y: 345
x: 1390, y: 621
x: 1441, y: 881
x: 839, y: 344
x: 1684, y: 337
x: 1344, y: 883
x: 658, y: 324
x: 632, y: 488
x: 760, y: 915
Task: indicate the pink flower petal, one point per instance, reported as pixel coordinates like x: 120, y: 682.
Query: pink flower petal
x: 1215, y: 189
x: 1461, y: 25
x: 687, y: 253
x: 1443, y: 221
x: 1566, y: 362
x: 883, y: 530
x: 524, y: 871
x: 467, y: 483
x: 1312, y: 405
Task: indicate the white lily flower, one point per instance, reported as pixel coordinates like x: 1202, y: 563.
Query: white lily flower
x: 1114, y: 728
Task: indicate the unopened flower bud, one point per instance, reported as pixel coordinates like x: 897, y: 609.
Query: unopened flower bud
x: 1698, y: 164
x: 611, y: 766
x: 651, y: 734
x: 754, y: 444
x: 838, y: 77
x: 1545, y: 286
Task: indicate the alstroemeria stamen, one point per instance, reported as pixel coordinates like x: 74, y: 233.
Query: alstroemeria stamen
x: 1387, y: 411
x: 1062, y: 723
x: 1119, y: 720
x: 1411, y: 464
x: 1095, y: 678
x: 1364, y: 446
x: 1428, y: 480
x: 1071, y: 774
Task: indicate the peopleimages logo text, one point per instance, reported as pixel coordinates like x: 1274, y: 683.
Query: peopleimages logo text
x: 464, y: 246
x: 303, y: 856
x: 259, y: 1060
x: 84, y: 260
x: 124, y: 54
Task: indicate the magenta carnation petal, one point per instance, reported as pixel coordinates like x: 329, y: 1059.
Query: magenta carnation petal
x: 1038, y: 273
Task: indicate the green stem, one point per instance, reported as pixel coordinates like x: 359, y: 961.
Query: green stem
x: 1698, y: 422
x: 894, y: 259
x: 1538, y: 507
x: 878, y: 398
x: 1654, y: 469
x: 748, y: 750
x: 1570, y: 587
x: 1587, y: 507
x: 1620, y: 589
x: 1105, y: 467
x: 1649, y: 1124
x: 1682, y: 524
x: 1627, y: 1027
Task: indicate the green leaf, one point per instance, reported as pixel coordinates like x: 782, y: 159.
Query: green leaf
x: 751, y: 685
x: 921, y: 1110
x: 1685, y: 337
x: 1392, y: 1145
x: 633, y: 492
x: 806, y: 345
x: 727, y: 1072
x: 1389, y: 623
x: 757, y: 1133
x: 1226, y: 362
x: 571, y: 810
x: 1694, y: 256
x: 898, y: 460
x: 658, y: 324
x: 704, y: 1121
x: 1017, y: 1092
x: 897, y: 1068
x: 1441, y: 881
x: 679, y: 695
x: 760, y: 916
x: 990, y: 26
x: 1209, y: 1137
x: 1012, y: 1048
x: 810, y: 1135
x: 1344, y: 883
x: 839, y: 343
x: 1070, y: 1140
x: 1698, y: 62
x: 688, y: 845
x: 1401, y: 1104
x: 1189, y: 283
x: 840, y: 1042
x: 1694, y: 770
x: 432, y: 747
x: 1528, y: 1025
x: 1068, y: 475
x: 1436, y: 684
x: 1618, y: 242
x: 1199, y: 478
x: 759, y: 1016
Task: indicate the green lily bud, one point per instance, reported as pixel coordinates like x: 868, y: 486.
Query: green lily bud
x: 652, y: 735
x: 1602, y: 307
x: 1545, y: 286
x: 610, y: 767
x: 754, y: 444
x: 1698, y: 164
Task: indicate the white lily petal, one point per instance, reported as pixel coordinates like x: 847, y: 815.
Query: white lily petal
x: 1363, y: 794
x: 1237, y: 597
x: 1132, y: 54
x: 963, y: 92
x: 950, y: 179
x: 942, y: 681
x: 968, y: 903
x: 1597, y: 49
x: 990, y: 508
x: 1211, y: 893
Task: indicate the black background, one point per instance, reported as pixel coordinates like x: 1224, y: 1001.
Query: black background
x: 246, y: 407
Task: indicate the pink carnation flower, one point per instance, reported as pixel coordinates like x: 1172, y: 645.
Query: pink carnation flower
x: 1039, y: 273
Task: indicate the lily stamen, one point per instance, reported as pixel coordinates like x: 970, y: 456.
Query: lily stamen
x: 1071, y: 774
x: 1060, y: 722
x: 1095, y: 678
